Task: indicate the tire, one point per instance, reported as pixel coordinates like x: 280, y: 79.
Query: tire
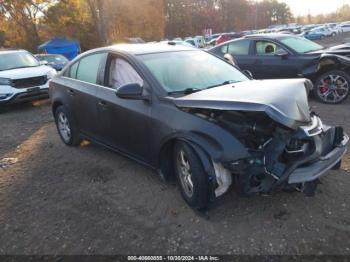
x: 332, y: 87
x: 66, y: 127
x: 322, y: 37
x: 334, y: 34
x: 189, y: 169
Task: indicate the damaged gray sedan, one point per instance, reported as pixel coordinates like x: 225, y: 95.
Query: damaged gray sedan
x: 196, y: 119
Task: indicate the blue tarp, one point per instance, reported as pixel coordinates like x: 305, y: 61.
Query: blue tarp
x: 68, y: 48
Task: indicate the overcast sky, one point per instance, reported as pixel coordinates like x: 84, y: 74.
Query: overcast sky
x: 302, y: 7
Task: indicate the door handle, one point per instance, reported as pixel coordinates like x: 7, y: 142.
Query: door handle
x: 70, y: 92
x: 103, y: 104
x: 258, y: 62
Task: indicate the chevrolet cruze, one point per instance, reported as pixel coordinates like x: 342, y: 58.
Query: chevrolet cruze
x: 197, y: 119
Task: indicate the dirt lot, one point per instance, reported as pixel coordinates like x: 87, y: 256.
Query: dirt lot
x: 61, y: 200
x: 89, y: 200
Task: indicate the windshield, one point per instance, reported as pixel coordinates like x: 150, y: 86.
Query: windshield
x: 195, y: 70
x: 301, y: 45
x: 53, y: 58
x: 17, y: 60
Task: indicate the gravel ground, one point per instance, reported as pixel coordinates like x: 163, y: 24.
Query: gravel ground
x: 89, y: 200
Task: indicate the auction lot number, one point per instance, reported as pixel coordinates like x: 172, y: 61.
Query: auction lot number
x: 173, y: 258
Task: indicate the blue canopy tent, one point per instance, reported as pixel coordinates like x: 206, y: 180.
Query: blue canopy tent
x: 68, y: 48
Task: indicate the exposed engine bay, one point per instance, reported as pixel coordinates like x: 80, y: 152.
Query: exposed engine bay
x: 276, y: 152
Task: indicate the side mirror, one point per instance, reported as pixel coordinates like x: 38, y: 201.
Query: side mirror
x: 249, y: 74
x: 229, y: 58
x: 43, y: 62
x: 131, y: 91
x: 282, y: 53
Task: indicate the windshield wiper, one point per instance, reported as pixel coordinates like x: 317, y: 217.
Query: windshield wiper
x: 187, y: 91
x: 222, y: 84
x: 194, y: 90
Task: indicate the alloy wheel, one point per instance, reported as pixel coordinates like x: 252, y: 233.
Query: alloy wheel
x: 333, y: 88
x: 64, y: 127
x: 185, y: 175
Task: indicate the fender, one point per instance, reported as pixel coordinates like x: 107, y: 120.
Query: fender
x: 343, y: 60
x: 208, y: 167
x: 326, y: 62
x: 218, y: 151
x: 208, y: 150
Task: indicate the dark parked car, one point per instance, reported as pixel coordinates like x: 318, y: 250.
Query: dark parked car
x: 286, y: 56
x: 192, y: 116
x: 55, y: 61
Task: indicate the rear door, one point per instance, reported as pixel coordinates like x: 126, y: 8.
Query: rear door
x: 83, y: 90
x: 240, y: 50
x: 125, y: 124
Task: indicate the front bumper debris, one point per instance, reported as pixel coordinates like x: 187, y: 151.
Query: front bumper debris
x: 319, y: 168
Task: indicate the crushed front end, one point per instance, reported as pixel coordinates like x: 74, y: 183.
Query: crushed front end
x: 281, y: 158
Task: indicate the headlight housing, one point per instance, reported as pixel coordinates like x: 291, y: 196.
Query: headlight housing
x: 5, y: 81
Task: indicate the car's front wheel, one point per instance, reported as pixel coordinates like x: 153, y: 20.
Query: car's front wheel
x: 66, y: 127
x: 191, y: 176
x: 332, y: 87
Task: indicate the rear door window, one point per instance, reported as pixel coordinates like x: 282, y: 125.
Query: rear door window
x: 73, y: 70
x: 240, y: 47
x: 220, y: 51
x: 88, y: 69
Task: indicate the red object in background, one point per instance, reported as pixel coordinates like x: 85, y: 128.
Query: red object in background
x: 227, y: 37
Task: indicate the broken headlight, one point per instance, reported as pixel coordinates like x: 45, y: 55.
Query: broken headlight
x: 296, y: 148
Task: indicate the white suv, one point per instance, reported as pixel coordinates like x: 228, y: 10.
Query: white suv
x: 22, y: 77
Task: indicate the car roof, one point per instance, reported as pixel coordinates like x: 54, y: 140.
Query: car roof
x: 11, y: 51
x: 148, y: 48
x: 267, y: 36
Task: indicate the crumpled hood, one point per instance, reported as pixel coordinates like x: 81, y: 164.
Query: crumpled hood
x: 285, y: 101
x: 345, y: 47
x: 335, y: 50
x: 28, y: 72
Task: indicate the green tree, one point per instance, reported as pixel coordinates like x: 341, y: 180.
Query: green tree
x: 272, y: 12
x: 71, y: 19
x: 25, y: 16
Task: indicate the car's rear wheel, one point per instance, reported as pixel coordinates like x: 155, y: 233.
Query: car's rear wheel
x: 66, y: 127
x: 332, y: 87
x: 191, y: 176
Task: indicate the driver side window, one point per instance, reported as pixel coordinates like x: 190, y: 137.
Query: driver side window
x: 122, y: 73
x: 267, y: 48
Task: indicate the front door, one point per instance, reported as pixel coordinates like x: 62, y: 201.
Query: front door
x: 125, y: 124
x: 269, y: 65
